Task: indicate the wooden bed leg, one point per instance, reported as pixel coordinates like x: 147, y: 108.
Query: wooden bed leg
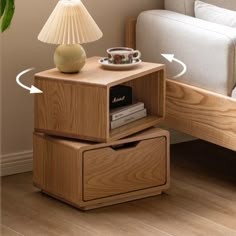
x: 130, y: 33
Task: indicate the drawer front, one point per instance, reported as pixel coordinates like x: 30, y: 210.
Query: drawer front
x: 111, y: 171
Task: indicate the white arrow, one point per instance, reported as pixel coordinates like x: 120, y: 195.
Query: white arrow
x: 171, y: 58
x: 32, y: 89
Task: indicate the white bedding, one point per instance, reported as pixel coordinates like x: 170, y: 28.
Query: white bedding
x: 187, y: 6
x: 208, y: 49
x: 234, y: 93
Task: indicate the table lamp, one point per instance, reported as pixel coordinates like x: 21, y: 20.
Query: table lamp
x: 70, y: 25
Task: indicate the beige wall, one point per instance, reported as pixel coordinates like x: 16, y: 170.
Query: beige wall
x: 21, y: 50
x: 110, y: 15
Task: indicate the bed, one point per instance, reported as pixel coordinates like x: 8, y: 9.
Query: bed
x: 202, y: 102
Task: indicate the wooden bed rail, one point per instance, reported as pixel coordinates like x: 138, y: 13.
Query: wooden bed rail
x: 194, y: 111
x: 130, y: 33
x: 201, y: 113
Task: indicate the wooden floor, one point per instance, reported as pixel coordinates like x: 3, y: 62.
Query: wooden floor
x: 201, y: 201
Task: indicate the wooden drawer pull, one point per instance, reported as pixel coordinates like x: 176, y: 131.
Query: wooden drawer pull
x: 125, y: 146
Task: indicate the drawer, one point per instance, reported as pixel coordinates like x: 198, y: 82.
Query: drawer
x: 124, y: 168
x: 90, y: 175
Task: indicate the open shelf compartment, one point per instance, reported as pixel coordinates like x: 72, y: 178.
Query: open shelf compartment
x: 77, y: 105
x: 149, y: 89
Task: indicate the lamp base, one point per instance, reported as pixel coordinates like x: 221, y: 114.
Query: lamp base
x: 69, y: 58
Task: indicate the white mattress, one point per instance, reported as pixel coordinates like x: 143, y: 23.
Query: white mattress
x: 208, y: 49
x: 234, y: 93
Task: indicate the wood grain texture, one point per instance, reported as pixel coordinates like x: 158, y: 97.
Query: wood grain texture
x: 149, y: 89
x: 65, y: 169
x: 40, y: 152
x: 94, y: 75
x: 201, y: 201
x: 130, y: 32
x: 131, y: 128
x: 72, y: 109
x: 77, y: 105
x: 4, y: 230
x: 202, y: 114
x: 58, y: 171
x: 110, y: 172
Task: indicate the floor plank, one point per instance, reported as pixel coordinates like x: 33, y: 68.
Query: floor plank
x: 9, y: 232
x: 201, y: 201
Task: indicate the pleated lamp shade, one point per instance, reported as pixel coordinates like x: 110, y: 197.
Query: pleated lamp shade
x: 70, y: 23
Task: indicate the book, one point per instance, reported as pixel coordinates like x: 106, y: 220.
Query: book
x: 125, y: 110
x: 128, y: 119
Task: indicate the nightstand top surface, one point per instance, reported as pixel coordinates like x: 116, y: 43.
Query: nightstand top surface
x: 93, y: 73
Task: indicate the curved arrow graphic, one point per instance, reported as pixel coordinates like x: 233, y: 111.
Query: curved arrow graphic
x: 32, y: 89
x: 171, y: 58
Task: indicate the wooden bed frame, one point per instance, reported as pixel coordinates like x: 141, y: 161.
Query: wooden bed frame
x: 195, y: 111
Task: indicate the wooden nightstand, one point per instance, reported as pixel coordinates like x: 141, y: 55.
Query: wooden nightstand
x: 130, y: 162
x: 77, y: 105
x: 90, y: 175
